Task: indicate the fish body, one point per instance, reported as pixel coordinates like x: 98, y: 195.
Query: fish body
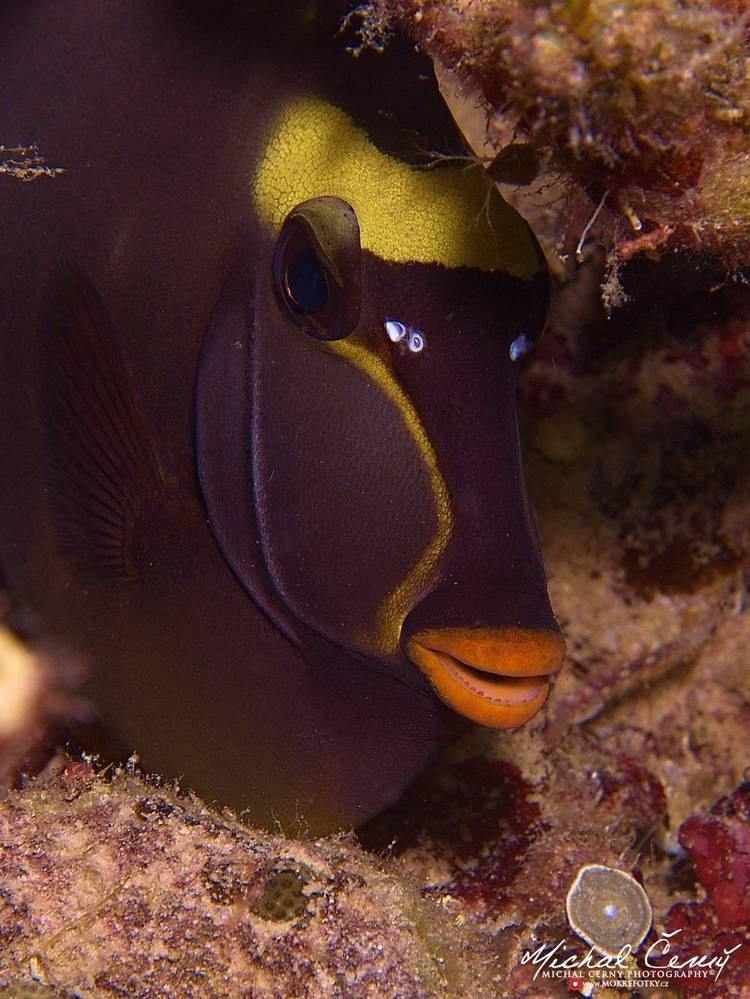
x: 258, y: 435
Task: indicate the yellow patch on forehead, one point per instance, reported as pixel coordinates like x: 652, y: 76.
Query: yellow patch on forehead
x: 446, y: 216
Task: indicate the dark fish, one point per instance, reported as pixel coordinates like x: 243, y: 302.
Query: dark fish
x: 258, y: 436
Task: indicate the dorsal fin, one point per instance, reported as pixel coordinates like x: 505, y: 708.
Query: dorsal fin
x: 107, y: 472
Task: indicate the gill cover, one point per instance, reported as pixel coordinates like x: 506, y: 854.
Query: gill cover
x: 318, y: 477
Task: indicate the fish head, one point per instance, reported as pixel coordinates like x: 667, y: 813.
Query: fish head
x: 357, y: 439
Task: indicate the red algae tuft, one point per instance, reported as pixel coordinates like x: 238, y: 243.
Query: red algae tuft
x: 719, y: 848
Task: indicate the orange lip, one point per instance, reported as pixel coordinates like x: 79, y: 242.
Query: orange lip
x: 495, y: 677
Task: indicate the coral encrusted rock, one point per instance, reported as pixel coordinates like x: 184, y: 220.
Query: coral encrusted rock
x: 116, y: 887
x: 639, y: 107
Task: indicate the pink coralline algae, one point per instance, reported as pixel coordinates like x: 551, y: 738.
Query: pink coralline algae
x: 477, y: 817
x: 630, y: 787
x: 719, y: 847
x: 505, y: 845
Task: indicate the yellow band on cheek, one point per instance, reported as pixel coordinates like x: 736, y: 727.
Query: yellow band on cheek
x: 398, y: 603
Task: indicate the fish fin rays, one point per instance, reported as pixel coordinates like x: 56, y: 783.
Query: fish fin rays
x: 109, y: 481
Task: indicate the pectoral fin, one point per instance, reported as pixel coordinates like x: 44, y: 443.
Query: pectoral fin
x: 110, y: 482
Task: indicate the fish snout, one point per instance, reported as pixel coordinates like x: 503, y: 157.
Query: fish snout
x: 498, y: 677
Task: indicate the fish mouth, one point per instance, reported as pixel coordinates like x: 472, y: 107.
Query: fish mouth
x: 495, y: 677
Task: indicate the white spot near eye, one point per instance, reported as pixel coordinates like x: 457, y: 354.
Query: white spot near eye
x: 405, y: 335
x: 396, y: 331
x: 520, y: 346
x: 416, y: 341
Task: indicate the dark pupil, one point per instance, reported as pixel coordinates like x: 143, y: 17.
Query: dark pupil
x: 306, y: 282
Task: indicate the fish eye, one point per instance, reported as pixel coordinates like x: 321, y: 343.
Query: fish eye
x: 317, y: 267
x: 306, y: 282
